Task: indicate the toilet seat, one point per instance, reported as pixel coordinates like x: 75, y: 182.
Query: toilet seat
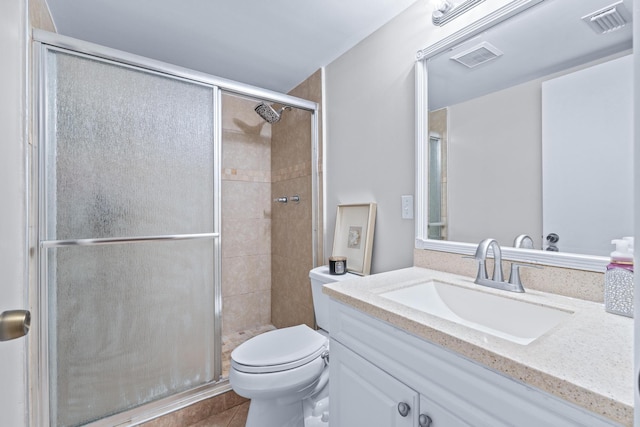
x: 279, y: 350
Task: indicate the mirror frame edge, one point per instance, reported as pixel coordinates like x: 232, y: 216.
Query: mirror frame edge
x: 555, y: 259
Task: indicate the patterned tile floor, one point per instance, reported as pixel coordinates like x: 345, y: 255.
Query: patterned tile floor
x: 234, y: 417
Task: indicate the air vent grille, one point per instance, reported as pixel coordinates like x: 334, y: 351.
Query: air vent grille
x: 608, y: 19
x: 477, y: 55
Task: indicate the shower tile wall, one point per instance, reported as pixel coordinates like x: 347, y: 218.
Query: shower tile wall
x: 292, y: 228
x: 246, y: 218
x: 39, y: 16
x: 267, y: 247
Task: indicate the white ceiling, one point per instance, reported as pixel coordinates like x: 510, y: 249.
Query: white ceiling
x: 273, y: 44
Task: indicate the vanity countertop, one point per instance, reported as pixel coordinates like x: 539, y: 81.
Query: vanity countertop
x: 587, y: 359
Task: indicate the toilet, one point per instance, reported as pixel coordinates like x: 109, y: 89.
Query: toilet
x: 285, y: 372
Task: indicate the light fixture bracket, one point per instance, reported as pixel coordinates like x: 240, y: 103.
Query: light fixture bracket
x: 446, y: 14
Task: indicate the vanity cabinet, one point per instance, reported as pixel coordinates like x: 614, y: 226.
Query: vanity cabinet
x: 365, y: 395
x: 375, y: 367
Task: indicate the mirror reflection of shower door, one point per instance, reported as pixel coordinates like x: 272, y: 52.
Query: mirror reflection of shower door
x: 436, y: 223
x: 128, y: 236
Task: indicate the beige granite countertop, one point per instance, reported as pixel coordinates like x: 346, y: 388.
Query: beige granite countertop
x: 586, y: 359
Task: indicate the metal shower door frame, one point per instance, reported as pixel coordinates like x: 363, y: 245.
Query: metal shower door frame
x: 38, y: 372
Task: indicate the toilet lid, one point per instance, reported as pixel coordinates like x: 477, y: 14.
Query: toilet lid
x: 279, y: 350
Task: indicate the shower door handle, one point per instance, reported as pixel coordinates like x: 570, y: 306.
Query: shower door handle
x: 14, y: 324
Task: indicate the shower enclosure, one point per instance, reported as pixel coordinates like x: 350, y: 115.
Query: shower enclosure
x: 266, y: 217
x: 127, y: 205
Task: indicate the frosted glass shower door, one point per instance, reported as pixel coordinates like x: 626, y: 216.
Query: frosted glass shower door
x: 128, y: 235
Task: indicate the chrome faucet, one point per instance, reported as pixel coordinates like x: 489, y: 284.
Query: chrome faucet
x: 481, y: 257
x: 523, y: 241
x: 497, y: 282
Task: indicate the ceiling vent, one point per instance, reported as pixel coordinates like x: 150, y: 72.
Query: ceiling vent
x: 608, y: 19
x: 477, y: 55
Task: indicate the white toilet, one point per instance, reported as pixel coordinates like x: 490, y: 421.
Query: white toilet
x: 285, y: 372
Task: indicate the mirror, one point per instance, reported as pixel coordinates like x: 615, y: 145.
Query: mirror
x: 531, y: 120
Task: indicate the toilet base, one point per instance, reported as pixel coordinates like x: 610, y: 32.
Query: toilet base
x: 308, y: 408
x: 311, y: 412
x: 273, y: 413
x: 316, y: 409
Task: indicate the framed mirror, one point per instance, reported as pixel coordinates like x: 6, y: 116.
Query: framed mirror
x: 524, y: 126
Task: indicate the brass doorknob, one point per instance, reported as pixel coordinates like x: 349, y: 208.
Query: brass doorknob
x: 14, y: 324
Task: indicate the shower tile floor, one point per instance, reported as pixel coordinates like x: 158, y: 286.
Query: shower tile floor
x: 231, y: 341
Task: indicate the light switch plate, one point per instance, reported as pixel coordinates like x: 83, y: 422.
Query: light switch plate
x: 407, y: 207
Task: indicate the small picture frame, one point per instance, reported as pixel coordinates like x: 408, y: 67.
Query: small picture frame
x: 353, y: 236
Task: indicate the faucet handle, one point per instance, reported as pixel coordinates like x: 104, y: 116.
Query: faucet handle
x: 514, y: 277
x: 523, y: 241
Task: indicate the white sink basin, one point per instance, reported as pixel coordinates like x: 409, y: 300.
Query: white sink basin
x: 515, y: 320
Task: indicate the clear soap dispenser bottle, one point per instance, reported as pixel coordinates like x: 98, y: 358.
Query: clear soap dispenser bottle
x: 618, y: 279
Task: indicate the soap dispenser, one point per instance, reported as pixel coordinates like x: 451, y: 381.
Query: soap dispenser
x: 618, y: 279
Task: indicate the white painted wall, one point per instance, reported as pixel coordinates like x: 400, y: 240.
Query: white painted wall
x: 494, y: 167
x: 370, y: 126
x: 13, y: 250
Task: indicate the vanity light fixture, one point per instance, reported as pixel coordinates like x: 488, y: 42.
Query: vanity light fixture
x: 608, y: 19
x: 446, y: 10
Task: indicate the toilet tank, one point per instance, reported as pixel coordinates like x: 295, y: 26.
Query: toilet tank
x: 320, y: 276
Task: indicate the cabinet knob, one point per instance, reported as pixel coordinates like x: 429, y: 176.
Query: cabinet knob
x: 424, y: 420
x: 403, y: 409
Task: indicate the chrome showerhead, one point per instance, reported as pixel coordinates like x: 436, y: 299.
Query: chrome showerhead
x: 268, y: 113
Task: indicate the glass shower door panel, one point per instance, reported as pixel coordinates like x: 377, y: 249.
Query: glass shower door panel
x: 128, y: 324
x: 129, y: 152
x: 128, y: 155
